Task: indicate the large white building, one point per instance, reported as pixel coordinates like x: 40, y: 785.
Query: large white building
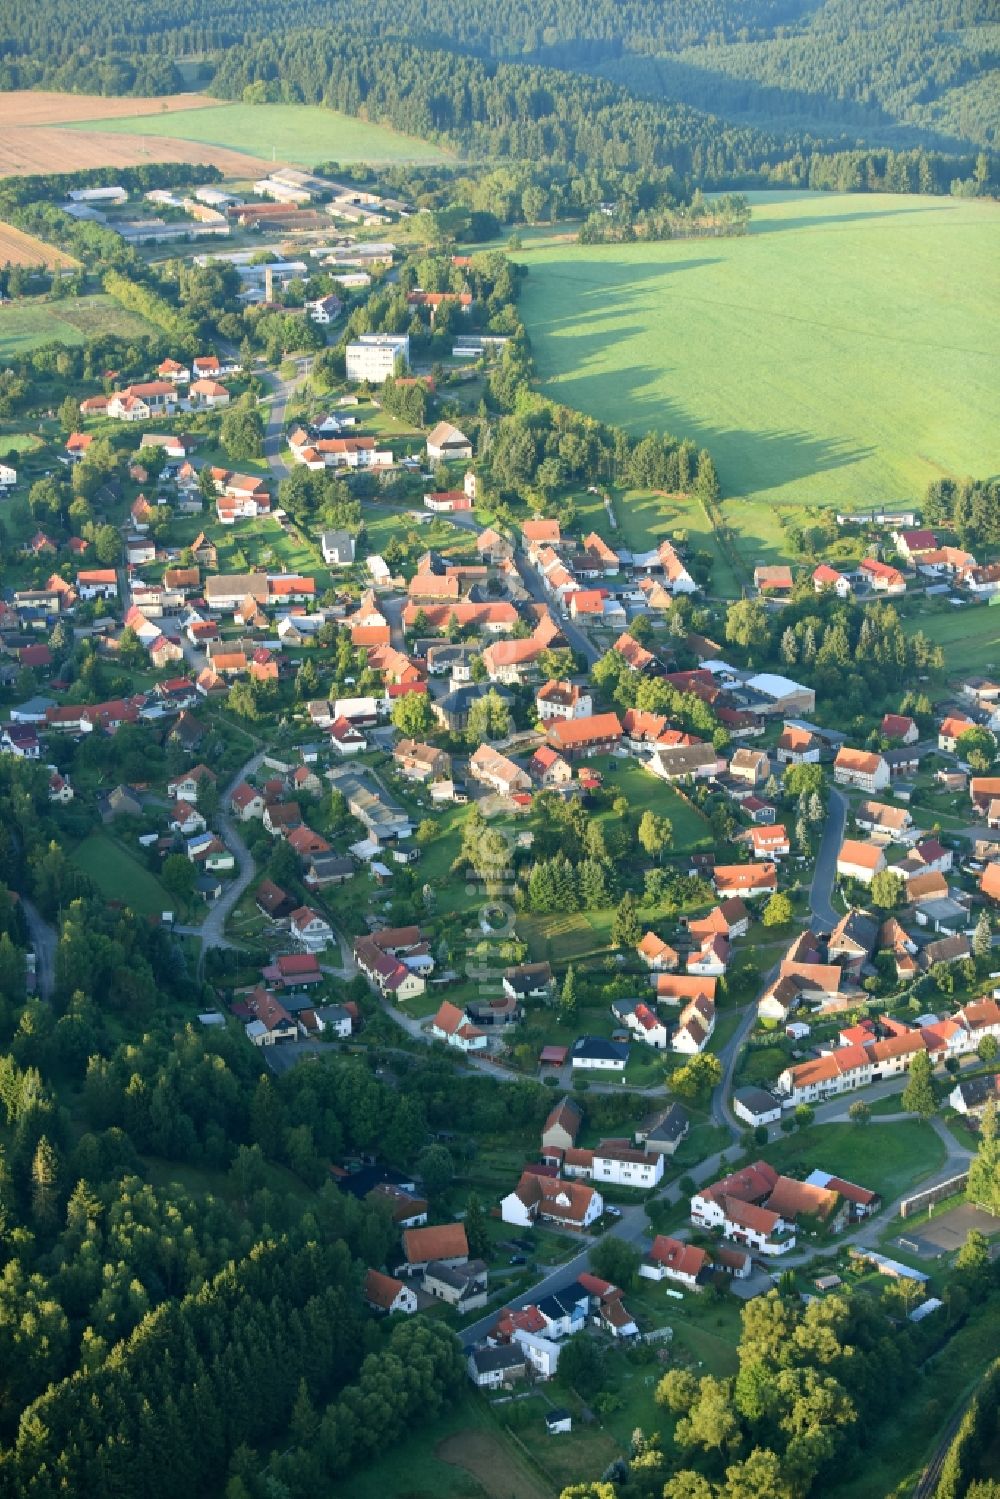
x: 376, y: 357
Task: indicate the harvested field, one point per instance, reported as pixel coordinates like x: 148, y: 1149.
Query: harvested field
x: 24, y: 107
x: 494, y: 1465
x: 18, y: 248
x: 49, y: 148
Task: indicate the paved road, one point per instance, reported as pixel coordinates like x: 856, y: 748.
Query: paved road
x: 532, y: 580
x: 211, y: 933
x: 631, y: 1226
x: 44, y: 940
x: 729, y: 1056
x: 274, y: 421
x: 824, y: 917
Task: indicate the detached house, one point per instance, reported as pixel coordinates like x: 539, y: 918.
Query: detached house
x: 866, y: 771
x: 881, y: 577
x: 310, y: 930
x: 746, y: 880
x: 543, y: 1199
x: 451, y: 1025
x: 860, y: 861
x: 495, y: 771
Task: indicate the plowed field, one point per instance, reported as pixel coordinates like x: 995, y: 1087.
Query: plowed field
x: 18, y: 248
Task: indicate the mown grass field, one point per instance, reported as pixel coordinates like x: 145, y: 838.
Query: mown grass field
x: 971, y: 637
x: 887, y: 1158
x: 841, y: 354
x: 299, y: 133
x: 27, y: 325
x: 120, y: 877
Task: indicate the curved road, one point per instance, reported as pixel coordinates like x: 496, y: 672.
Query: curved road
x: 824, y: 917
x: 211, y: 933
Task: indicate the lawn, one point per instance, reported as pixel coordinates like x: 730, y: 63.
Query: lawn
x: 970, y: 637
x: 297, y: 133
x: 888, y: 1158
x: 28, y: 324
x: 414, y: 1469
x: 838, y: 355
x: 644, y: 791
x: 121, y: 877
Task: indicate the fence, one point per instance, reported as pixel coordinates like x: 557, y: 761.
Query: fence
x: 923, y: 1201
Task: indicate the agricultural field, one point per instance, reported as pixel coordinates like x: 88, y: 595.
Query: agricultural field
x: 22, y: 108
x: 298, y: 133
x: 18, y: 248
x: 30, y: 323
x: 120, y: 877
x: 838, y: 355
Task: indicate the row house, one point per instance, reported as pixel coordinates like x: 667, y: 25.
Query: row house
x: 385, y: 973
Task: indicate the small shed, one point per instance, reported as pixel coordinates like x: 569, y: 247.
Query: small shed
x: 554, y: 1056
x: 558, y: 1420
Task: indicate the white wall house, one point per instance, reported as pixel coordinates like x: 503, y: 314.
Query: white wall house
x: 377, y: 357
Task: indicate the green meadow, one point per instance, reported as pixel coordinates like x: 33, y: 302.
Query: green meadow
x: 32, y: 322
x: 300, y: 133
x: 843, y: 353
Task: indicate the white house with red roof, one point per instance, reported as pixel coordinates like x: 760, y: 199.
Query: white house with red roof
x: 310, y: 929
x: 826, y: 577
x: 451, y: 1025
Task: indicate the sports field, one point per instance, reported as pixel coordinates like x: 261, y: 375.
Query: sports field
x: 26, y: 325
x: 842, y: 353
x: 297, y: 133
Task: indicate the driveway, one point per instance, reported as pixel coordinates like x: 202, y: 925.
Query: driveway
x: 824, y: 917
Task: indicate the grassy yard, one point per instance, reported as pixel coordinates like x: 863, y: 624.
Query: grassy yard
x: 120, y: 877
x: 970, y: 637
x: 28, y: 324
x: 888, y: 1158
x: 417, y: 1469
x: 798, y: 355
x: 643, y: 792
x: 297, y: 133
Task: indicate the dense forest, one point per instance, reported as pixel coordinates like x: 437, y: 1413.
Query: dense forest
x: 585, y: 139
x: 904, y: 72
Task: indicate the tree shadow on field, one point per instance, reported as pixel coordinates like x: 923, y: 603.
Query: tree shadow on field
x: 822, y: 220
x: 747, y: 459
x: 597, y: 289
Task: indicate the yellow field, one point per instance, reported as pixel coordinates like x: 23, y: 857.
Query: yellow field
x: 18, y: 248
x: 31, y: 140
